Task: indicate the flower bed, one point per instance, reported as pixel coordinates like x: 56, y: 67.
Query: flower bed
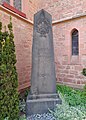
x: 73, y: 106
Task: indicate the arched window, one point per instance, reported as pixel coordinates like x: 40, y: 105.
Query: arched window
x: 75, y: 42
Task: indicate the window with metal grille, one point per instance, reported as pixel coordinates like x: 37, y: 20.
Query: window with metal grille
x: 75, y: 42
x: 7, y: 1
x: 17, y: 4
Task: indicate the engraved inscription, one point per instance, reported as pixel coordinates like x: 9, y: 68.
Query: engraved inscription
x: 43, y: 26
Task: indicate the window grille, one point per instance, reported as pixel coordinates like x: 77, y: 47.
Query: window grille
x: 17, y: 4
x: 75, y: 46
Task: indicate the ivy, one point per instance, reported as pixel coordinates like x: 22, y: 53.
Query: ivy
x: 9, y: 102
x: 84, y: 71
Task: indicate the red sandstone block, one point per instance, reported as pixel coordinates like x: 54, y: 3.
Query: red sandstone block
x: 83, y: 82
x: 62, y: 75
x: 78, y: 82
x: 67, y: 80
x: 79, y: 68
x: 60, y: 79
x: 60, y: 66
x: 68, y: 67
x: 70, y: 76
x: 64, y: 62
x: 65, y: 71
x: 74, y: 72
x: 80, y: 77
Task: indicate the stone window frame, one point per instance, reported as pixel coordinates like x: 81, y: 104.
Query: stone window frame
x: 75, y: 39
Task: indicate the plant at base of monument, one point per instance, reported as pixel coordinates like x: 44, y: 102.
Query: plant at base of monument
x: 24, y: 94
x: 72, y: 96
x: 22, y: 106
x: 65, y: 112
x: 22, y: 100
x: 9, y: 102
x: 22, y: 117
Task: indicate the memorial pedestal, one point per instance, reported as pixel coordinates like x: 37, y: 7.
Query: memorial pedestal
x: 39, y: 104
x: 43, y: 78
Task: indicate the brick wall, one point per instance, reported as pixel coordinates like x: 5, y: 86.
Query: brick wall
x: 30, y: 7
x: 23, y: 41
x: 68, y: 67
x: 60, y: 9
x: 23, y: 30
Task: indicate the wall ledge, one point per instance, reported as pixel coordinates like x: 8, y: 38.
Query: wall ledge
x: 31, y: 22
x: 15, y: 14
x: 69, y: 18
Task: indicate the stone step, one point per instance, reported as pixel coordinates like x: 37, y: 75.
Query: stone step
x: 44, y: 100
x: 41, y: 105
x: 40, y: 96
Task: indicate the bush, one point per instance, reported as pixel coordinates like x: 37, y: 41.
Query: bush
x: 9, y: 102
x: 84, y: 72
x: 65, y: 112
x: 23, y: 117
x: 72, y: 96
x: 22, y: 100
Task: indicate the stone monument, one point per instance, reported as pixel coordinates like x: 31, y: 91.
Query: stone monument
x: 43, y: 79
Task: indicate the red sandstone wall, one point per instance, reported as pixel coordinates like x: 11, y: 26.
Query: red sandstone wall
x: 30, y: 7
x: 23, y: 42
x: 60, y: 9
x: 68, y: 68
x: 23, y: 39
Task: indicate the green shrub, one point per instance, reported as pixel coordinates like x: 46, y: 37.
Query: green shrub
x: 22, y: 100
x: 65, y: 112
x: 24, y: 94
x: 84, y: 72
x: 22, y: 117
x: 85, y: 88
x: 9, y: 102
x: 72, y: 96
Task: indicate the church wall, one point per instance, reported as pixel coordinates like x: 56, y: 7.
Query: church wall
x: 67, y: 15
x: 22, y: 30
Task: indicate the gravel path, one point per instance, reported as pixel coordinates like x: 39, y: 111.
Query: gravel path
x: 44, y: 116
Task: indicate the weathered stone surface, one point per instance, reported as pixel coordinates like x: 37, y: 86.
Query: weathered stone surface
x: 43, y: 79
x: 41, y: 105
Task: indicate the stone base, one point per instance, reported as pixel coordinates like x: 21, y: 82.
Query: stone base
x: 39, y: 104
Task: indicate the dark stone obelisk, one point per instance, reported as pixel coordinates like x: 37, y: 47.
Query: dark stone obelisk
x: 43, y: 79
